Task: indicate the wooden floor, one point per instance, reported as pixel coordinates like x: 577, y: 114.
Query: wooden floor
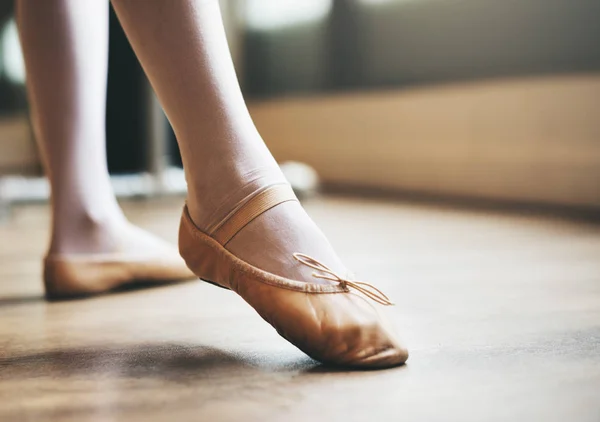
x: 501, y: 313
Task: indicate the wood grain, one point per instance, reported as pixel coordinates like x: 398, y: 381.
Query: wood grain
x: 501, y: 312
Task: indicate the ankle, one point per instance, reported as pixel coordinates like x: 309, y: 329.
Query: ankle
x: 209, y: 203
x: 85, y: 231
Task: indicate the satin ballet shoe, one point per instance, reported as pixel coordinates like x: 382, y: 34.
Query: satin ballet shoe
x: 335, y: 323
x: 77, y: 275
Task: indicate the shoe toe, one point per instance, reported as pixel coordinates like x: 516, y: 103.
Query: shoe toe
x: 389, y: 357
x: 366, y: 346
x: 347, y: 331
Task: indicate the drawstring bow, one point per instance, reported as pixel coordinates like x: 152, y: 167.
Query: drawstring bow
x: 327, y: 273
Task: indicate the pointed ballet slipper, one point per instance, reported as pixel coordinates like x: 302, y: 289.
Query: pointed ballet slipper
x: 336, y: 323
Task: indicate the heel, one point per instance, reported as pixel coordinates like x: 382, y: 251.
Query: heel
x: 64, y: 279
x: 202, y: 254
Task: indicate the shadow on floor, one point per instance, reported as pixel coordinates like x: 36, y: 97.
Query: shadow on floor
x: 20, y: 300
x: 173, y: 362
x: 133, y: 287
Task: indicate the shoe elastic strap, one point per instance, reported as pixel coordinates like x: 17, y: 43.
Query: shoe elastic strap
x: 255, y: 206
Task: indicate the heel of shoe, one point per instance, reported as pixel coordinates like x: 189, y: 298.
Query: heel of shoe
x: 51, y: 276
x: 62, y: 280
x: 202, y: 254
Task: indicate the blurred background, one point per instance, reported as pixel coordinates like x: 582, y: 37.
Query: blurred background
x: 478, y: 100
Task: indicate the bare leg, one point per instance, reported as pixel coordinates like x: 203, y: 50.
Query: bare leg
x: 182, y: 46
x: 183, y: 49
x: 65, y: 44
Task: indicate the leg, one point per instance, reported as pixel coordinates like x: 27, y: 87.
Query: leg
x: 183, y: 49
x: 234, y: 180
x: 65, y: 44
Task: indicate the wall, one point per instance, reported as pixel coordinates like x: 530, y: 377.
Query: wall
x: 534, y: 140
